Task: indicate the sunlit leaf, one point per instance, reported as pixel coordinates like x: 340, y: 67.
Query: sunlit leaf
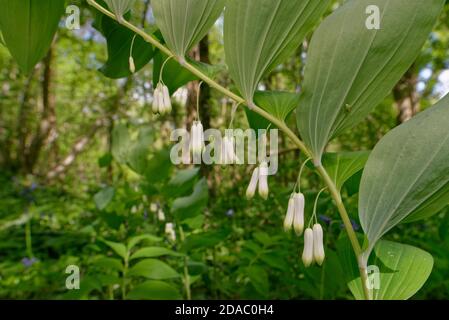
x: 260, y: 34
x: 154, y: 290
x: 407, y: 173
x: 152, y: 269
x: 350, y: 69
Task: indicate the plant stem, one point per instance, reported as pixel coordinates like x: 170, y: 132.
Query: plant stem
x: 28, y: 242
x: 124, y: 280
x: 279, y: 123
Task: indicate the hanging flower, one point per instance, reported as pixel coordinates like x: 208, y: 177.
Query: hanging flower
x: 197, y: 138
x: 162, y: 101
x: 298, y: 220
x: 227, y: 155
x: 160, y: 215
x: 251, y: 191
x: 170, y: 231
x: 288, y: 221
x: 132, y: 66
x: 307, y: 254
x: 318, y: 246
x: 263, y: 180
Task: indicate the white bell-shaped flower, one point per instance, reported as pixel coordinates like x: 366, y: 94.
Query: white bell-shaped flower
x: 197, y: 138
x: 160, y: 215
x: 170, y: 231
x: 318, y: 245
x: 251, y: 191
x: 228, y: 155
x: 166, y: 106
x: 288, y: 221
x: 158, y: 100
x: 263, y: 180
x: 298, y: 219
x: 307, y: 254
x: 132, y: 66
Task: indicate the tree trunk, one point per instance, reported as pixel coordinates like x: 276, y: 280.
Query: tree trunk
x: 405, y: 96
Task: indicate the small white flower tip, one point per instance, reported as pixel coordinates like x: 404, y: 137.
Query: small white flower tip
x: 157, y: 100
x: 298, y: 219
x: 288, y: 221
x: 251, y: 191
x: 307, y: 254
x: 318, y: 247
x: 197, y: 141
x: 167, y: 106
x: 132, y: 66
x: 263, y: 180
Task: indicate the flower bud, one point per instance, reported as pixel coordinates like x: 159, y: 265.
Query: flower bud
x: 170, y: 231
x: 263, y: 180
x: 157, y: 100
x: 132, y: 66
x: 307, y: 254
x: 167, y: 106
x: 160, y: 215
x: 318, y: 246
x: 197, y: 138
x: 251, y: 191
x: 288, y: 221
x: 298, y: 219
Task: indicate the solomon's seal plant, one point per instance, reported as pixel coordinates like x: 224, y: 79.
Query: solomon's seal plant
x: 349, y: 70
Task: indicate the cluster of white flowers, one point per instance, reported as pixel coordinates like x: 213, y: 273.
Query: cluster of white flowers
x: 295, y: 214
x: 161, y: 100
x: 313, y: 246
x: 197, y: 139
x: 259, y: 178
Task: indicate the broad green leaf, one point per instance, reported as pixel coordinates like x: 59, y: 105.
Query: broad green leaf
x: 181, y: 183
x: 204, y: 240
x: 134, y: 241
x: 120, y: 7
x: 343, y: 165
x: 104, y: 197
x: 350, y: 69
x: 175, y: 76
x: 153, y: 269
x: 183, y: 23
x: 278, y: 104
x: 158, y: 167
x: 119, y: 248
x: 259, y: 279
x: 120, y: 143
x: 109, y: 263
x: 192, y: 205
x: 260, y: 34
x: 403, y: 271
x: 154, y: 290
x: 119, y: 40
x: 407, y: 173
x: 153, y: 252
x: 28, y: 28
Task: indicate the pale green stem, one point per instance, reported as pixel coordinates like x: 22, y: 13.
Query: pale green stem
x: 277, y: 122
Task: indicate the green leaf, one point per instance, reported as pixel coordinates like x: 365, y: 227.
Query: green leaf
x: 183, y: 23
x: 259, y: 279
x: 158, y: 167
x: 118, y: 248
x: 109, y: 264
x: 28, y: 28
x: 104, y: 197
x: 261, y: 34
x: 153, y: 269
x: 204, y: 240
x: 153, y: 252
x: 403, y: 271
x: 154, y: 290
x: 278, y: 104
x: 181, y: 183
x: 120, y: 7
x: 192, y: 205
x: 144, y: 237
x: 351, y: 69
x: 120, y: 143
x: 343, y: 165
x: 394, y: 187
x: 119, y: 40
